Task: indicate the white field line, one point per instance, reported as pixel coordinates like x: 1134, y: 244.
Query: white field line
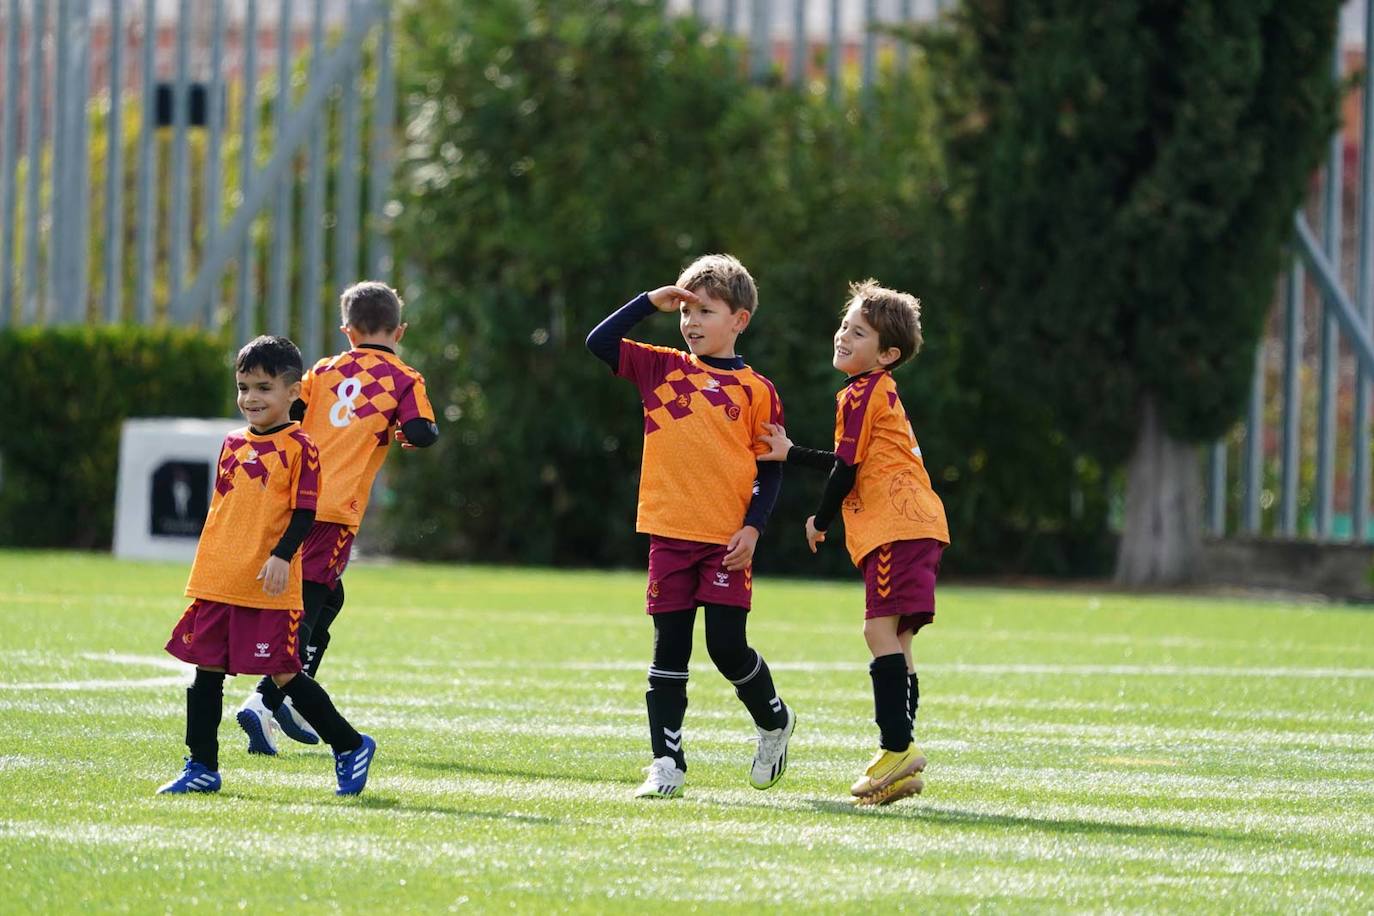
x: 88, y: 685
x: 632, y: 876
x: 950, y: 668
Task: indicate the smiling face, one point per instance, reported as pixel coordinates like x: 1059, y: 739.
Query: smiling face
x: 265, y: 400
x: 709, y: 327
x: 857, y: 348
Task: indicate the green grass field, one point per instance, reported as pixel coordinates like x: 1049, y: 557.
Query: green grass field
x: 1087, y: 752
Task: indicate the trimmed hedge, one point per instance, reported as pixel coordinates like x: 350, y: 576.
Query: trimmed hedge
x: 68, y: 391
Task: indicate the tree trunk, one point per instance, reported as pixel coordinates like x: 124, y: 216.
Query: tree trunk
x: 1163, y: 525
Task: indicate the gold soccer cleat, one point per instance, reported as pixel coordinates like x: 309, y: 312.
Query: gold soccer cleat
x: 888, y: 767
x: 907, y: 785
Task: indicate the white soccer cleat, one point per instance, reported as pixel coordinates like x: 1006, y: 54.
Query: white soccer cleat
x: 664, y: 781
x: 257, y: 723
x: 770, y: 760
x: 293, y: 724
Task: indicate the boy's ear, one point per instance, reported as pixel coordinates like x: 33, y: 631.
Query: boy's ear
x: 293, y: 392
x: 350, y: 332
x: 889, y: 356
x: 742, y: 319
x: 400, y: 332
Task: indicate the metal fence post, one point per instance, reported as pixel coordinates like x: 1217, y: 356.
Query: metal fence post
x: 147, y: 162
x: 9, y: 165
x: 114, y: 170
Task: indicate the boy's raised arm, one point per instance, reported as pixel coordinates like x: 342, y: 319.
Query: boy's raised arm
x: 604, y: 340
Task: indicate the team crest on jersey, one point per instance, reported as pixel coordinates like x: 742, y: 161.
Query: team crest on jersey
x: 682, y: 400
x: 732, y: 411
x: 911, y: 500
x: 187, y: 637
x: 852, y: 502
x: 653, y: 589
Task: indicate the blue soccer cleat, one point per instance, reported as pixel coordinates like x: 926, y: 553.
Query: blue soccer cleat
x: 293, y: 724
x: 351, y: 767
x: 257, y: 723
x: 196, y: 777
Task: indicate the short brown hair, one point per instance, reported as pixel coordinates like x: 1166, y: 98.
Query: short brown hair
x: 371, y: 307
x: 895, y: 315
x: 724, y: 277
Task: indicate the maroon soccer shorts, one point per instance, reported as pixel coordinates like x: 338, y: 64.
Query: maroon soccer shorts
x: 685, y: 574
x: 325, y: 553
x: 241, y: 640
x: 899, y: 580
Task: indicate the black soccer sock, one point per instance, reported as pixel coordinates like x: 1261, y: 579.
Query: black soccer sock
x: 890, y: 686
x: 666, y: 699
x: 756, y: 691
x: 319, y: 633
x: 742, y: 666
x: 272, y: 696
x: 913, y: 700
x: 314, y: 595
x: 312, y: 702
x: 667, y: 694
x: 204, y: 705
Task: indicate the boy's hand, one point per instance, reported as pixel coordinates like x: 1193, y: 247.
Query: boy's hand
x: 739, y: 553
x: 401, y: 438
x: 668, y: 298
x: 777, y: 442
x: 274, y: 574
x: 813, y: 537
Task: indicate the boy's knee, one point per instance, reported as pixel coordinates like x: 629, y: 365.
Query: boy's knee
x: 281, y: 680
x: 730, y: 654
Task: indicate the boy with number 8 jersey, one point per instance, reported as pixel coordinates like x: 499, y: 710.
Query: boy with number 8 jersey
x: 351, y: 404
x: 246, y: 612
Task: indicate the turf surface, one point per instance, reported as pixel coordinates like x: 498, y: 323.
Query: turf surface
x: 1098, y: 752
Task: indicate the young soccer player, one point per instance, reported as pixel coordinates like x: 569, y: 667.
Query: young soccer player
x: 245, y: 583
x: 894, y: 524
x: 703, y: 501
x: 350, y: 404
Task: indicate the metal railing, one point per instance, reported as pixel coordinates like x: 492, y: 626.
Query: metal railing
x: 1301, y: 457
x: 152, y: 143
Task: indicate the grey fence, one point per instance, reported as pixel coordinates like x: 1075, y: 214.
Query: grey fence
x: 147, y: 145
x: 227, y: 162
x: 1298, y: 466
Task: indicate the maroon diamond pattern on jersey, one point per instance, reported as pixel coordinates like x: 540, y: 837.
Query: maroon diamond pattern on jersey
x: 377, y: 395
x: 254, y: 458
x: 673, y: 399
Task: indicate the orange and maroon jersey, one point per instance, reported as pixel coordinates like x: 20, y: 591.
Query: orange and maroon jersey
x: 892, y: 499
x: 261, y: 480
x: 701, y: 430
x: 353, y: 402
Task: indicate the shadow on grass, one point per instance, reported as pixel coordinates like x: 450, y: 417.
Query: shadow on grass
x: 476, y: 769
x: 378, y: 802
x: 954, y: 816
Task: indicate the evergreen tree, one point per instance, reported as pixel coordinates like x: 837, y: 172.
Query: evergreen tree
x: 1125, y: 178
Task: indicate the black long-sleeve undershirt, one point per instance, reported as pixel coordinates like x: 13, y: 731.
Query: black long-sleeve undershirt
x: 302, y: 520
x: 604, y: 339
x: 837, y: 485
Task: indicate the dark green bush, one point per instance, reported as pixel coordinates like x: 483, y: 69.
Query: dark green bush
x: 560, y: 158
x: 68, y: 390
x: 564, y: 157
